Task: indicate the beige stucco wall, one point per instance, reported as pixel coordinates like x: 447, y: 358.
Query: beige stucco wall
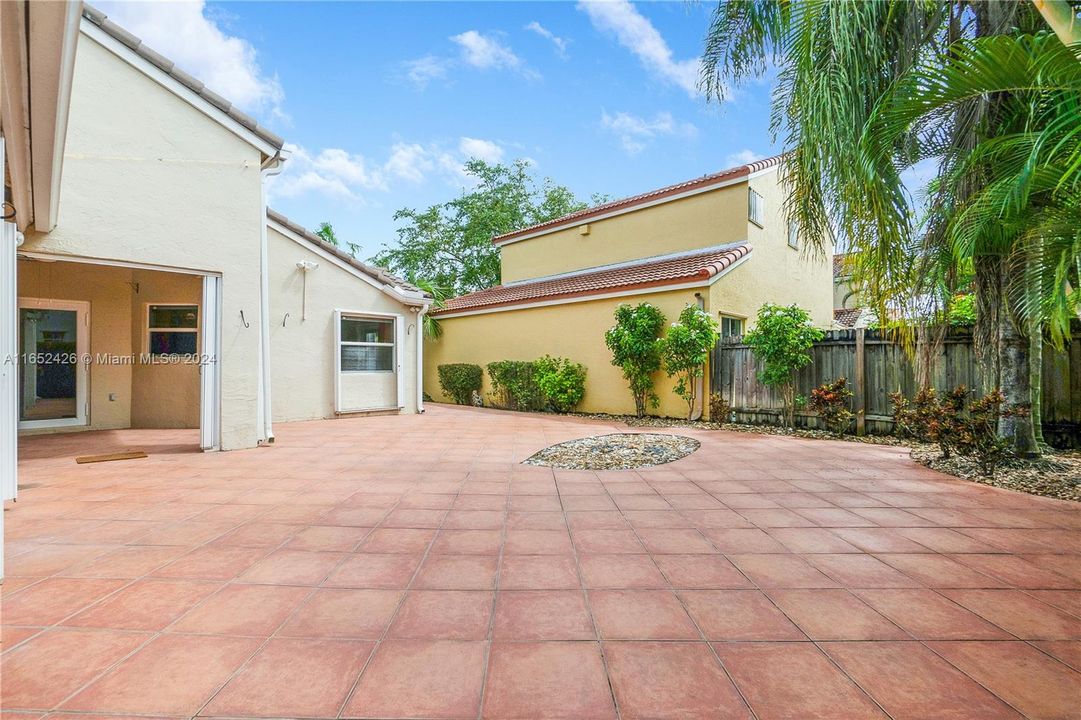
x: 150, y: 179
x: 704, y: 220
x: 574, y: 330
x: 163, y: 395
x: 775, y: 272
x: 303, y: 351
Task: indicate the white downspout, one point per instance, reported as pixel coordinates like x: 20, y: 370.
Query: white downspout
x: 420, y: 357
x: 271, y: 167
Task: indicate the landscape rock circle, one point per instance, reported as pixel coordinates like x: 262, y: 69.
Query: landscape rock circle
x: 615, y: 451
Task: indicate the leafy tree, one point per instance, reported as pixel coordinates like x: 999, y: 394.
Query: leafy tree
x: 326, y: 231
x: 562, y: 382
x: 781, y: 340
x: 450, y: 244
x: 636, y: 346
x: 686, y: 348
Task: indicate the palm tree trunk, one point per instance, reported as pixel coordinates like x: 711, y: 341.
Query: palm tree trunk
x: 1035, y: 358
x: 1016, y: 388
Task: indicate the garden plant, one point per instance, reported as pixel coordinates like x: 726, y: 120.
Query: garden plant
x: 830, y: 401
x: 781, y: 341
x: 460, y: 381
x: 686, y: 348
x: 636, y: 345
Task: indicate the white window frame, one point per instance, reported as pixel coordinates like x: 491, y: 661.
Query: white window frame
x: 147, y: 330
x: 725, y: 316
x: 793, y: 234
x: 82, y: 371
x: 394, y: 360
x: 399, y: 354
x: 756, y: 207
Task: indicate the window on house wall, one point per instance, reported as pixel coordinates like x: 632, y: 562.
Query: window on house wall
x: 367, y: 344
x: 172, y: 329
x: 731, y: 326
x: 756, y: 207
x: 793, y: 235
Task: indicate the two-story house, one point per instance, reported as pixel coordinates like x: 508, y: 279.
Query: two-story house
x: 720, y: 241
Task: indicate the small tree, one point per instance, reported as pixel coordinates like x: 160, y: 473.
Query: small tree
x: 781, y: 340
x: 686, y: 349
x: 636, y: 349
x: 326, y: 231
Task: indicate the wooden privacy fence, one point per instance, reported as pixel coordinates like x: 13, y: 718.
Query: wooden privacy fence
x: 875, y: 366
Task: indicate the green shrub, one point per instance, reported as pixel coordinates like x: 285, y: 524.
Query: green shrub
x: 514, y: 385
x: 685, y: 350
x: 562, y: 382
x: 460, y: 380
x: 636, y: 345
x: 781, y: 340
x: 830, y: 401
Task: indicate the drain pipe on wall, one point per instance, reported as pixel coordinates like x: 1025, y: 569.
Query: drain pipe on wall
x: 271, y: 167
x: 700, y: 381
x: 420, y: 357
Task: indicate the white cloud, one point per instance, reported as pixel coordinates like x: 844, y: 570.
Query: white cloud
x: 742, y: 157
x: 422, y: 71
x: 637, y: 34
x: 484, y: 52
x: 486, y: 150
x: 560, y: 43
x: 182, y: 32
x: 408, y: 161
x: 636, y: 132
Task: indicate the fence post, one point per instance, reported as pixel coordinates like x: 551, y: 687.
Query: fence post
x: 860, y: 390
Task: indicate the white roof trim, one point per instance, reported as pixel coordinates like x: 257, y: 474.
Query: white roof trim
x: 403, y: 296
x: 600, y: 296
x: 629, y: 263
x: 624, y: 210
x: 173, y: 85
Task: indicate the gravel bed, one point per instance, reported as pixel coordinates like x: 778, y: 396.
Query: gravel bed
x: 1057, y: 474
x: 617, y: 451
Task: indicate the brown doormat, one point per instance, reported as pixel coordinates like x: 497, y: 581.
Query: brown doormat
x: 133, y: 455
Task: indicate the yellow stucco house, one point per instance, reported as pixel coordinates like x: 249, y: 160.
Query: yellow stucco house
x: 144, y: 283
x: 719, y: 241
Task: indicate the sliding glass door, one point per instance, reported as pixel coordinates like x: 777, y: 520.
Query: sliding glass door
x: 53, y: 377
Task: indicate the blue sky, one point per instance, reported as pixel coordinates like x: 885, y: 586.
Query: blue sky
x: 381, y: 103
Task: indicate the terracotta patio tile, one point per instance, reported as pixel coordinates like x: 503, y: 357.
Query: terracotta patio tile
x: 444, y: 615
x: 188, y: 533
x: 127, y: 562
x: 467, y: 501
x: 1018, y: 572
x: 573, y: 503
x: 333, y: 538
x: 620, y: 571
x: 928, y: 615
x: 774, y: 517
x: 212, y: 563
x: 292, y: 677
x: 811, y: 540
x: 944, y: 540
x: 1018, y: 613
x: 258, y: 534
x: 457, y: 572
x: 50, y: 601
x: 43, y: 560
x: 538, y: 572
x: 12, y: 635
x: 343, y: 613
x: 606, y: 542
x: 675, y: 541
x: 372, y: 570
x: 1066, y: 651
x: 738, y: 615
x: 878, y: 540
x: 597, y: 520
x: 641, y: 615
x: 912, y: 683
x: 781, y: 571
x: 1024, y: 677
x: 353, y: 517
x: 474, y: 519
x: 55, y: 664
x: 537, y: 521
x: 939, y: 571
x: 420, y: 678
x: 1068, y: 600
x: 671, y: 681
x: 292, y: 567
x: 174, y: 674
x: 413, y: 518
x: 468, y: 542
x: 550, y: 680
x: 701, y: 571
x: 411, y: 541
x: 537, y: 542
x: 145, y: 605
x: 834, y: 615
x: 793, y: 680
x: 242, y: 610
x: 743, y: 540
x: 860, y: 571
x: 542, y: 615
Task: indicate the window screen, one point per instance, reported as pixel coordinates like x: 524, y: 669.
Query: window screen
x: 173, y: 329
x: 367, y: 344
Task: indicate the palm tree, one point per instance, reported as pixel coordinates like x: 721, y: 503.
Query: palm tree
x: 841, y: 67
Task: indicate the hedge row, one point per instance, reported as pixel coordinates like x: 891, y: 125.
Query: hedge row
x: 547, y: 383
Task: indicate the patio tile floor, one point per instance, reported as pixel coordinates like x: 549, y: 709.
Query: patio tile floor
x: 410, y: 567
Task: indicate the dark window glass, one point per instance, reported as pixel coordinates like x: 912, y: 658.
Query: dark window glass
x: 367, y: 358
x: 731, y: 326
x: 174, y: 316
x: 173, y: 343
x: 367, y: 330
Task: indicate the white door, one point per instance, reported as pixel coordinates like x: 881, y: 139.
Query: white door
x: 54, y: 375
x: 368, y: 361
